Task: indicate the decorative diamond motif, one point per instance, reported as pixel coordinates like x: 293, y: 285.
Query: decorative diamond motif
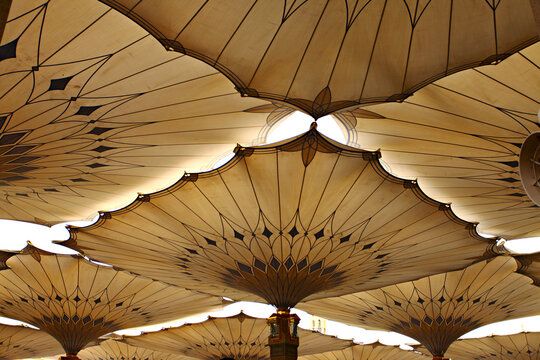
x: 275, y: 263
x: 9, y: 50
x: 59, y: 84
x: 293, y: 232
x: 87, y: 110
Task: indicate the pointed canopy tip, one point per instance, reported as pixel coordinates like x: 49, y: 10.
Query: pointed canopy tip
x: 528, y: 265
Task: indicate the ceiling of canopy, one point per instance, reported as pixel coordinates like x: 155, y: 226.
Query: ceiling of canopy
x: 238, y: 337
x: 93, y: 109
x: 116, y: 350
x: 308, y: 217
x: 522, y: 346
x: 76, y: 301
x: 322, y: 56
x: 438, y: 309
x: 19, y: 342
x: 461, y: 138
x: 375, y: 351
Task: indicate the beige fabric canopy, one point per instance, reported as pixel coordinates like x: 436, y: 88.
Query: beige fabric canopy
x: 19, y: 342
x: 238, y: 337
x: 438, y: 309
x: 321, y: 56
x: 530, y: 266
x: 375, y: 351
x: 116, y: 350
x: 93, y: 109
x: 523, y: 346
x: 306, y: 218
x: 76, y: 301
x: 461, y: 138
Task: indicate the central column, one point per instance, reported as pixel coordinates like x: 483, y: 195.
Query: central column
x: 69, y: 357
x: 439, y: 357
x: 283, y: 339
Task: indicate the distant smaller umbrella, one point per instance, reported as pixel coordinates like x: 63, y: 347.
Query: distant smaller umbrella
x: 438, y: 309
x: 375, y: 351
x: 77, y: 301
x: 236, y: 337
x: 522, y: 346
x: 115, y: 350
x: 18, y: 342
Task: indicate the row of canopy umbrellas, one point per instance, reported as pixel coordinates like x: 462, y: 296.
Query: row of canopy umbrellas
x: 244, y: 337
x: 77, y: 302
x: 93, y: 108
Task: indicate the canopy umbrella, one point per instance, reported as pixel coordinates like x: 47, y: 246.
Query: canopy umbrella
x: 92, y: 109
x: 77, y: 301
x: 374, y: 351
x: 322, y: 56
x: 461, y: 138
x: 111, y: 349
x: 302, y: 219
x: 438, y: 309
x: 522, y: 346
x: 20, y: 342
x: 236, y: 337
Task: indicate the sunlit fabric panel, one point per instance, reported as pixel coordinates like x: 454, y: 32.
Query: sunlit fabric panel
x: 461, y: 138
x: 305, y: 218
x: 76, y: 301
x: 238, y: 337
x: 522, y: 346
x: 93, y: 109
x: 322, y: 56
x: 19, y: 342
x: 438, y: 309
x: 116, y: 350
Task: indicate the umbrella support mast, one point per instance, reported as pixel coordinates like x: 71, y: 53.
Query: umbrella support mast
x: 283, y: 339
x: 69, y: 357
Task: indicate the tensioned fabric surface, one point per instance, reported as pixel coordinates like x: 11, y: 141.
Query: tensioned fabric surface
x: 76, y: 301
x: 530, y: 266
x: 522, y: 346
x: 461, y: 138
x: 305, y: 218
x: 322, y: 56
x: 237, y: 337
x: 93, y: 109
x: 19, y: 342
x: 375, y: 351
x: 116, y: 350
x: 438, y: 309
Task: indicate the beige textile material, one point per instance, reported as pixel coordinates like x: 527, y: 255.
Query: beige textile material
x: 522, y: 346
x: 97, y: 110
x: 461, y: 138
x: 438, y: 309
x: 76, y: 301
x: 530, y: 266
x: 322, y: 56
x: 19, y: 342
x: 116, y: 350
x: 375, y: 351
x: 305, y: 218
x: 238, y: 337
